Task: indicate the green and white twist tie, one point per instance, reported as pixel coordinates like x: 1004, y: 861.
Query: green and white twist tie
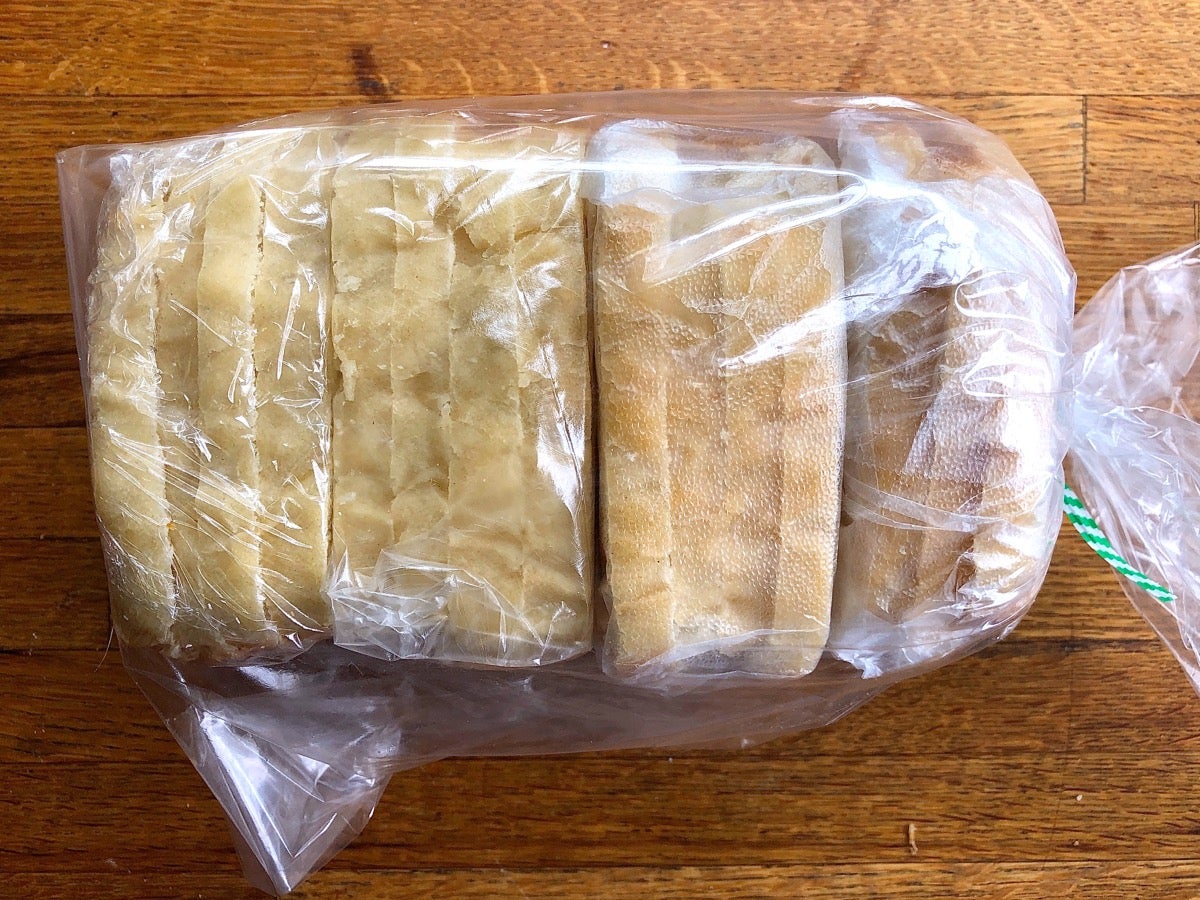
x: 1096, y: 539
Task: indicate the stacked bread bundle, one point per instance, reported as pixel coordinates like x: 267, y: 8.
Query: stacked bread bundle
x: 313, y: 346
x: 340, y: 380
x: 721, y: 357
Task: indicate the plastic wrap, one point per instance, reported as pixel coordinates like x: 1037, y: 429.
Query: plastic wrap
x: 275, y: 394
x: 1135, y: 451
x: 539, y: 425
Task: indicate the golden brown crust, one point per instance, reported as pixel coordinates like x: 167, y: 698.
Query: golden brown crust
x: 934, y: 473
x: 720, y: 452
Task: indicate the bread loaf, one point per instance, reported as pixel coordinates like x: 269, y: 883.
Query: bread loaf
x: 339, y: 385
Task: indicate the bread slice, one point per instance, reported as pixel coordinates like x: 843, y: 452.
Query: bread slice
x: 293, y: 293
x: 519, y: 467
x: 415, y: 567
x: 125, y: 398
x: 364, y: 235
x: 175, y: 264
x: 227, y: 495
x: 786, y: 333
x: 721, y: 362
x: 901, y: 463
x: 488, y: 339
x: 951, y: 459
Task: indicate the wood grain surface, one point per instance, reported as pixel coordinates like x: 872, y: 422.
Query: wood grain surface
x: 1059, y: 763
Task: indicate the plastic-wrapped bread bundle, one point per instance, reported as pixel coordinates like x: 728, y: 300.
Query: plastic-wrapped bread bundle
x: 460, y: 333
x: 953, y: 423
x: 461, y: 501
x: 226, y: 289
x: 339, y: 383
x: 720, y: 346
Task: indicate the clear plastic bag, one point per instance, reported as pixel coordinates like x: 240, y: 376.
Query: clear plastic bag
x: 540, y: 425
x: 1136, y: 407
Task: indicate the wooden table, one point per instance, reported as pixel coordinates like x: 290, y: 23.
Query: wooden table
x: 1064, y: 759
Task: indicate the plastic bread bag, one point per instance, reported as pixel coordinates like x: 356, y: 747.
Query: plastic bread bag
x: 539, y: 425
x: 1136, y: 408
x: 269, y: 303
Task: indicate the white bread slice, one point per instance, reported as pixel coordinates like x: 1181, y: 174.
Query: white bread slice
x: 632, y: 334
x: 420, y: 376
x: 487, y: 500
x: 721, y: 364
x: 785, y: 285
x: 363, y: 236
x: 557, y: 464
x: 901, y: 423
x: 292, y: 297
x: 175, y: 262
x: 124, y: 401
x: 227, y: 494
